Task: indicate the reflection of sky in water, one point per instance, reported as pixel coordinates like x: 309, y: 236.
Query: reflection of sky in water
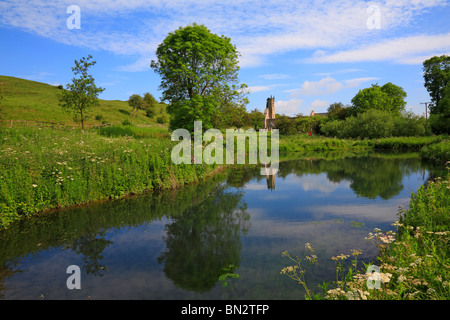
x: 301, y: 208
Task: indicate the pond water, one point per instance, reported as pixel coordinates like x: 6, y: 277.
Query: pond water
x: 176, y: 244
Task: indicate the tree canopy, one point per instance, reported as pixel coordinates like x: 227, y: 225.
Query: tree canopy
x: 199, y: 71
x: 436, y: 73
x: 389, y: 97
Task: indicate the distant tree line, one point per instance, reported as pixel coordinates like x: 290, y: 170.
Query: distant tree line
x: 379, y: 111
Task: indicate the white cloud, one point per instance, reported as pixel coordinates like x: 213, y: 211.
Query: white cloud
x: 402, y: 50
x: 351, y: 83
x: 275, y: 76
x: 258, y: 28
x: 290, y: 107
x: 324, y: 86
x: 253, y: 89
x: 327, y: 85
x: 317, y: 105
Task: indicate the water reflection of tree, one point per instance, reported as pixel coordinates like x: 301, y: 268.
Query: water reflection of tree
x: 368, y: 176
x: 91, y: 247
x: 205, y: 240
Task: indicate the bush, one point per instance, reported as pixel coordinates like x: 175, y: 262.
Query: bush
x: 150, y: 112
x: 126, y: 122
x: 440, y: 123
x: 374, y: 124
x: 409, y: 125
x: 164, y: 118
x: 437, y: 152
x: 286, y: 125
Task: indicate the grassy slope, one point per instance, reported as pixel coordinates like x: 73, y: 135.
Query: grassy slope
x: 36, y: 101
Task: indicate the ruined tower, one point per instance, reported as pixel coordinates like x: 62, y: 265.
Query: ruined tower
x: 269, y: 114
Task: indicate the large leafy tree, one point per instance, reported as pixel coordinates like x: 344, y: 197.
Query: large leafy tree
x: 198, y: 71
x: 82, y: 94
x: 389, y: 97
x: 436, y: 73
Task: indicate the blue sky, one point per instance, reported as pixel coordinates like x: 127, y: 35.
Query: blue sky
x: 308, y: 54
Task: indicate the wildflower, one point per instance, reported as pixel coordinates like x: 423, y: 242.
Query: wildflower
x: 335, y: 293
x: 355, y: 252
x: 387, y: 238
x: 35, y: 185
x: 397, y: 224
x: 385, y: 277
x: 312, y: 259
x: 340, y: 257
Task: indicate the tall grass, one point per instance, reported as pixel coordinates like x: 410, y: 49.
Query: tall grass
x: 42, y: 168
x: 438, y: 153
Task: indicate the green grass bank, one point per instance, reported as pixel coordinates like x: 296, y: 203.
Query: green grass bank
x: 41, y: 168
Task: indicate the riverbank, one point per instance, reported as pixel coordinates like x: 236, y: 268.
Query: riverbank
x: 433, y: 148
x: 44, y: 169
x: 413, y: 262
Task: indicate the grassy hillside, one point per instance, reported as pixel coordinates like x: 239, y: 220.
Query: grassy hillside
x: 36, y: 101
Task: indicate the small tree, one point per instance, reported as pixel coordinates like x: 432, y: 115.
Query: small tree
x: 135, y: 102
x: 82, y: 94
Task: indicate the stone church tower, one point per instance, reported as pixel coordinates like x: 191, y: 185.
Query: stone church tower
x: 269, y: 114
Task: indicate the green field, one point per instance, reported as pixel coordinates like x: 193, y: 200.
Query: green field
x: 36, y: 101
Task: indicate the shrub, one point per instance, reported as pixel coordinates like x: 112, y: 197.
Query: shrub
x: 163, y: 118
x: 376, y: 124
x: 286, y: 125
x: 409, y: 124
x: 150, y: 112
x: 126, y: 122
x: 437, y: 152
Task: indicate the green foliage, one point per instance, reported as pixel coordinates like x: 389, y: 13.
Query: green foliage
x: 291, y: 126
x: 389, y: 97
x: 150, y: 112
x: 440, y: 118
x: 438, y: 152
x: 42, y: 168
x: 286, y: 125
x: 135, y: 102
x: 149, y: 101
x: 256, y: 119
x: 406, y: 143
x: 436, y: 73
x: 337, y: 111
x: 376, y: 124
x: 1, y: 110
x: 196, y: 69
x: 126, y: 122
x: 163, y: 118
x: 82, y: 93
